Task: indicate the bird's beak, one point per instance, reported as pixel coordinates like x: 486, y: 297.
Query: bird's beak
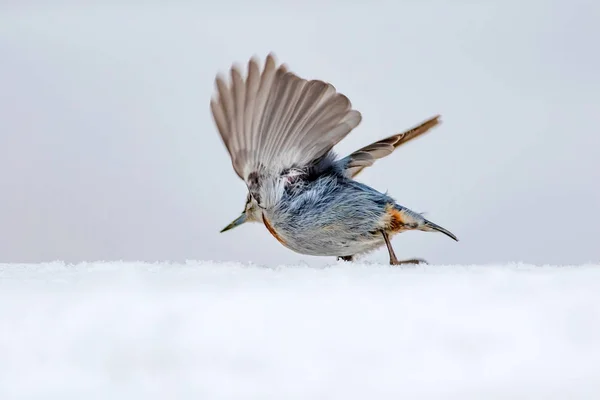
x: 240, y: 220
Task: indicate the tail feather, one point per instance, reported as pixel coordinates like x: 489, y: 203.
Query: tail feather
x: 431, y: 227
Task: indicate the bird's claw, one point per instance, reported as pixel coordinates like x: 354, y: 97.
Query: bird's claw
x: 413, y: 261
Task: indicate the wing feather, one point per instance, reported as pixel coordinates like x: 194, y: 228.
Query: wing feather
x: 367, y: 155
x: 239, y: 100
x: 252, y: 92
x: 274, y: 120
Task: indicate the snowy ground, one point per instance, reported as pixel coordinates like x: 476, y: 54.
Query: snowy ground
x: 224, y: 331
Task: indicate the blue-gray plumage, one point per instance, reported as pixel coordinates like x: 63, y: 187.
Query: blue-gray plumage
x: 279, y: 130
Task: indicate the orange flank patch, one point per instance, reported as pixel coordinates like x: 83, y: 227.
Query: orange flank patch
x: 394, y: 219
x: 272, y: 231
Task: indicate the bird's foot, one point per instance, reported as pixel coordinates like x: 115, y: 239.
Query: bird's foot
x: 413, y: 261
x: 346, y: 258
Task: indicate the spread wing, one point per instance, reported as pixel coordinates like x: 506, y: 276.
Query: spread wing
x: 367, y: 155
x: 273, y: 120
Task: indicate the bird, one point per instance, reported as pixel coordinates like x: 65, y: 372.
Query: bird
x: 280, y: 130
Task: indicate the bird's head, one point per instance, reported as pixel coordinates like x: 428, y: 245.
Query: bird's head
x: 251, y: 213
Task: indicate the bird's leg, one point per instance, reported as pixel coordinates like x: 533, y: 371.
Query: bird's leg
x: 393, y: 259
x: 346, y: 258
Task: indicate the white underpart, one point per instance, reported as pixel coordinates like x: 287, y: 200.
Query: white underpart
x: 271, y: 191
x: 228, y: 331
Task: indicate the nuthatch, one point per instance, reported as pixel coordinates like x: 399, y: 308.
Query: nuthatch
x: 279, y: 130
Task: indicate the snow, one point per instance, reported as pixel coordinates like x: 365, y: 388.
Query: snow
x: 204, y: 330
